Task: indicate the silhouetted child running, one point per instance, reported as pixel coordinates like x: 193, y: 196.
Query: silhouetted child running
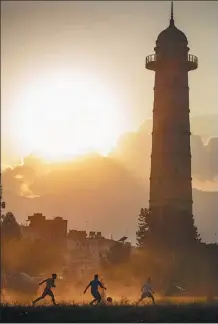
x: 94, y: 284
x: 147, y: 292
x: 50, y: 282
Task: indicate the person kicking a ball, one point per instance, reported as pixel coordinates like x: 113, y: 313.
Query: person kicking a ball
x: 147, y: 292
x: 50, y: 282
x: 94, y: 284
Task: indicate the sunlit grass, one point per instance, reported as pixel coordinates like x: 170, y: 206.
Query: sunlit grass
x: 167, y: 310
x: 124, y: 301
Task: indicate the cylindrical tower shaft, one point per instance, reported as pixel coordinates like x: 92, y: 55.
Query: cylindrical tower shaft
x: 170, y: 180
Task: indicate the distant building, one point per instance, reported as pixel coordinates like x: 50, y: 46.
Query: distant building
x: 50, y: 230
x: 84, y: 252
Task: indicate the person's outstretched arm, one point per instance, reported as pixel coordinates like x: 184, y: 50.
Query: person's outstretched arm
x: 100, y: 284
x: 42, y: 282
x: 86, y: 288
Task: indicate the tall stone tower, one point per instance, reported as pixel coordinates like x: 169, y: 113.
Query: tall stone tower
x: 170, y: 180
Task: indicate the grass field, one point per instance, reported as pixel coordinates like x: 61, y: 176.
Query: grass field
x: 168, y: 312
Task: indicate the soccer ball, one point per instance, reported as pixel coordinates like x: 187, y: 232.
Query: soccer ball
x: 109, y: 300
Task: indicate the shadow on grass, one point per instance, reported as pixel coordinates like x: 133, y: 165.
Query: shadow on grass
x: 109, y: 314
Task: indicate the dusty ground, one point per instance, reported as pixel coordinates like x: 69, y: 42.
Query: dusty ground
x: 124, y: 295
x: 73, y: 307
x: 165, y: 312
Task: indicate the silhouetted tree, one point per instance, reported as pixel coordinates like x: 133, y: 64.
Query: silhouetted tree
x: 176, y: 228
x: 10, y: 229
x: 143, y: 227
x: 167, y: 228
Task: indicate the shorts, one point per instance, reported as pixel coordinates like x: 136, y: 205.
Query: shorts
x: 47, y: 292
x: 96, y: 295
x: 146, y: 294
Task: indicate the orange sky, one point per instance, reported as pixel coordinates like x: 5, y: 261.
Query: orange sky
x: 108, y: 40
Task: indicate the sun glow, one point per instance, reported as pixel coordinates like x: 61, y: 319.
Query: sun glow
x: 67, y: 115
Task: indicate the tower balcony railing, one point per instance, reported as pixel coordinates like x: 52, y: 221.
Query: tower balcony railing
x: 151, y: 62
x: 192, y: 62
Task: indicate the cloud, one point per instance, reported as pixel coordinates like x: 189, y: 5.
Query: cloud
x: 106, y: 193
x: 97, y: 193
x: 204, y: 125
x: 134, y: 150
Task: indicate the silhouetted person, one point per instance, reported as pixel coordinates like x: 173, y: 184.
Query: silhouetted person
x: 50, y: 282
x: 102, y: 292
x: 147, y: 292
x: 94, y: 284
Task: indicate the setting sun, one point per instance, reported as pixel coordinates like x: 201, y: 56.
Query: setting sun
x: 67, y: 114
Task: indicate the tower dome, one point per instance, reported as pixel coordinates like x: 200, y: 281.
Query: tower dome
x: 171, y: 34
